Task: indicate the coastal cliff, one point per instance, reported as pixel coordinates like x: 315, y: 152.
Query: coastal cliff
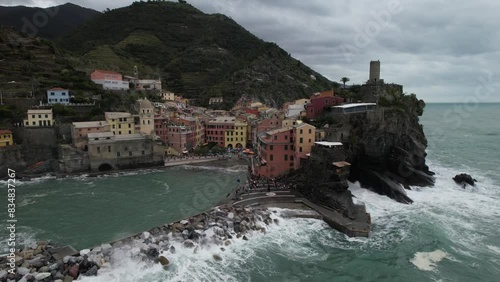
x: 387, y: 147
x: 386, y: 150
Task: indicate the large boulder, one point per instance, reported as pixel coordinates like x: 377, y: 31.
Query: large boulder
x: 463, y: 179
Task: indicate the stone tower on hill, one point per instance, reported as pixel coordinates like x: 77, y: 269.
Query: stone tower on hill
x: 376, y: 87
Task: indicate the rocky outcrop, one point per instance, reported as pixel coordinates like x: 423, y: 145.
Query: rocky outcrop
x: 463, y: 179
x: 317, y: 182
x: 387, y: 147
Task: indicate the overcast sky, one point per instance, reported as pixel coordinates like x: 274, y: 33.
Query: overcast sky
x: 443, y: 51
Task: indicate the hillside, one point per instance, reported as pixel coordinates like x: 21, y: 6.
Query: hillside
x: 60, y: 19
x: 197, y: 55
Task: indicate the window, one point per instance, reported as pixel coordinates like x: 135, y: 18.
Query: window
x: 52, y: 93
x: 286, y: 157
x: 286, y: 137
x: 286, y: 147
x: 143, y: 153
x: 300, y: 149
x: 291, y: 158
x: 275, y: 137
x: 113, y: 126
x: 310, y: 131
x: 109, y: 149
x: 98, y: 150
x: 130, y: 153
x: 129, y: 125
x: 34, y: 123
x: 63, y: 93
x: 271, y: 147
x: 46, y: 116
x: 32, y: 116
x: 270, y: 157
x: 119, y: 126
x: 39, y: 116
x: 302, y: 140
x: 119, y: 132
x: 309, y: 140
x: 117, y: 154
x: 301, y: 131
x: 130, y: 132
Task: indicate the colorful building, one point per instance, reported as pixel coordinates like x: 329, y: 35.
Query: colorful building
x: 58, y: 95
x: 276, y: 153
x: 6, y: 138
x: 236, y: 137
x: 215, y: 129
x: 80, y: 131
x: 161, y: 128
x: 121, y: 122
x: 304, y: 136
x: 39, y: 117
x: 321, y: 101
x: 178, y: 138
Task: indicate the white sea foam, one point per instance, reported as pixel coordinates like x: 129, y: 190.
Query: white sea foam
x: 428, y: 261
x: 239, y: 260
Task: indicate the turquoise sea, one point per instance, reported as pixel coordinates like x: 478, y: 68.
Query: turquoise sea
x: 447, y: 234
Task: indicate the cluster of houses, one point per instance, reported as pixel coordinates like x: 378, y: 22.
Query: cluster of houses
x: 278, y: 138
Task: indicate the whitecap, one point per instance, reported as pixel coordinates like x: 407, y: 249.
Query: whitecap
x: 428, y: 261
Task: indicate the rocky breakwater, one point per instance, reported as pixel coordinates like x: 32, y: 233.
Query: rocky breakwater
x: 387, y: 147
x: 215, y: 230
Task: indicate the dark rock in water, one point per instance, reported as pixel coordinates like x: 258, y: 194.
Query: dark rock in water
x: 92, y: 271
x: 217, y: 257
x: 463, y: 179
x: 172, y: 249
x: 163, y: 260
x: 188, y: 244
x: 152, y: 253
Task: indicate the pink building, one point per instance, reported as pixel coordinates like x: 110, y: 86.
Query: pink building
x: 215, y: 129
x: 320, y: 101
x: 189, y: 122
x: 178, y: 138
x: 161, y: 128
x: 276, y: 153
x: 100, y: 76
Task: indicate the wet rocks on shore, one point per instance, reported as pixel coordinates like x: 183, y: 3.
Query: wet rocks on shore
x: 220, y: 226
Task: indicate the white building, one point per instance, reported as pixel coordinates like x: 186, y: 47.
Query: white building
x: 115, y: 85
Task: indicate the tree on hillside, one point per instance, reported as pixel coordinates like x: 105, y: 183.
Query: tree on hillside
x: 344, y: 80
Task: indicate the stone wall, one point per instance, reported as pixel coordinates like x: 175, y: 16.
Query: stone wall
x: 19, y: 157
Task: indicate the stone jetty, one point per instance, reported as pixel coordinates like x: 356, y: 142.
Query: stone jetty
x: 220, y: 226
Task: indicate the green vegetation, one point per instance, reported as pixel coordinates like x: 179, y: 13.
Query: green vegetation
x: 196, y: 55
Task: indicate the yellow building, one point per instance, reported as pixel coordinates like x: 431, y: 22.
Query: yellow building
x: 121, y: 123
x: 305, y: 136
x: 302, y: 101
x: 237, y: 137
x: 6, y: 138
x: 39, y: 117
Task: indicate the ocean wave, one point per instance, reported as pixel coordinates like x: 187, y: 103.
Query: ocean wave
x: 240, y: 260
x: 25, y: 202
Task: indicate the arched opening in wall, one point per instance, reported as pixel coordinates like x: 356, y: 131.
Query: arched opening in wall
x: 239, y: 146
x: 230, y: 146
x: 105, y: 167
x: 86, y: 148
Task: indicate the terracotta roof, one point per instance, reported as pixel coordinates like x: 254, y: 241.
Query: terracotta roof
x: 57, y: 88
x: 5, y: 131
x: 108, y: 72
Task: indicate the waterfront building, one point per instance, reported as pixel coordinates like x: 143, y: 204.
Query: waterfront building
x: 146, y: 116
x: 321, y: 101
x: 354, y: 108
x: 80, y: 131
